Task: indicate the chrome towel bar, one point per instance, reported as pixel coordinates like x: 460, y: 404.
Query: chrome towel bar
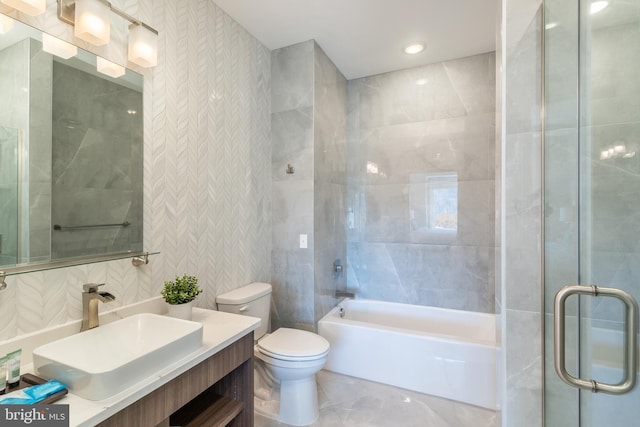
x: 58, y: 227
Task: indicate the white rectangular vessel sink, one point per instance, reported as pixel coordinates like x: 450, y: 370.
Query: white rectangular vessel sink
x: 103, y: 361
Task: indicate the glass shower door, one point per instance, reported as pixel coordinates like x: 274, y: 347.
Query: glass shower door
x: 592, y: 210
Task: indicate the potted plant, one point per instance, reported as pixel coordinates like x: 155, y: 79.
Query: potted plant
x: 179, y: 294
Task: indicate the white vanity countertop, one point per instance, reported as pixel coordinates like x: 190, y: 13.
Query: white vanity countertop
x: 218, y: 332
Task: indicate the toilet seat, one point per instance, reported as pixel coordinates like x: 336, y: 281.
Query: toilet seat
x: 293, y: 345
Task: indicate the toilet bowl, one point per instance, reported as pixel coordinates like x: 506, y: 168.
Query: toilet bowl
x: 291, y: 358
x: 286, y: 360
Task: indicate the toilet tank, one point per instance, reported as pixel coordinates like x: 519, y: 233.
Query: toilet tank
x: 250, y: 300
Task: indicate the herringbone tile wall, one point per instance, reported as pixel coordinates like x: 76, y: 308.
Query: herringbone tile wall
x: 207, y: 166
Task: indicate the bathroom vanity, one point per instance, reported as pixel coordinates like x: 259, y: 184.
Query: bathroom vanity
x: 216, y: 392
x: 212, y: 386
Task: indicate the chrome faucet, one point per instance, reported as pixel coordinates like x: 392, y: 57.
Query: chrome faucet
x: 90, y: 299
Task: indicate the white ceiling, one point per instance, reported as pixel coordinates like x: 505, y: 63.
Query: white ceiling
x: 366, y: 37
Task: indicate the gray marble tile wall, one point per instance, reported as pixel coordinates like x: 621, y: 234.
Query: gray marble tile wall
x: 14, y: 107
x: 610, y: 118
x: 35, y: 136
x: 40, y: 133
x: 85, y: 192
x: 330, y: 146
x: 8, y: 195
x: 14, y: 75
x: 31, y: 68
x: 292, y: 133
x: 409, y: 130
x: 521, y: 358
x: 308, y: 129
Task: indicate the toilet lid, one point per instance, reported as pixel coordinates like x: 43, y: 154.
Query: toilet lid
x: 293, y: 344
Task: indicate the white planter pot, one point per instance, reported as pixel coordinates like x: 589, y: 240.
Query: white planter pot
x: 181, y: 311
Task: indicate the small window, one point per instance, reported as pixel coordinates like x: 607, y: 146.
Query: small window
x: 434, y: 202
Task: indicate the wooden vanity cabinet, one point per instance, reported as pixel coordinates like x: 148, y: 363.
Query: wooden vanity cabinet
x: 216, y: 392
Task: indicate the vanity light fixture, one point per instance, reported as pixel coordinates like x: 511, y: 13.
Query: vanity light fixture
x: 6, y: 24
x: 414, y: 48
x: 28, y: 7
x: 57, y: 47
x: 91, y: 19
x: 92, y: 22
x: 143, y: 45
x: 109, y: 68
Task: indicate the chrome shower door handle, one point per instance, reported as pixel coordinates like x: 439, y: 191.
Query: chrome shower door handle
x: 630, y: 355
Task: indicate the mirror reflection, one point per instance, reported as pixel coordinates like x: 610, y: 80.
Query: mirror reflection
x: 71, y: 147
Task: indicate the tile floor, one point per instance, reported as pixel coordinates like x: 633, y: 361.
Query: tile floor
x: 348, y: 401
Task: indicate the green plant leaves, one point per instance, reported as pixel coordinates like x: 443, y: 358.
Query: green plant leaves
x: 181, y: 290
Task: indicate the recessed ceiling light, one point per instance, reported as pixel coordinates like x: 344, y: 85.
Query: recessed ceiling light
x: 422, y: 82
x: 414, y: 48
x: 597, y: 6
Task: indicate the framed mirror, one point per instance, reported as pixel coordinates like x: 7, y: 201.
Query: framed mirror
x: 71, y: 147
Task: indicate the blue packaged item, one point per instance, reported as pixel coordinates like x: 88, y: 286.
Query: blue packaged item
x: 33, y: 394
x: 42, y: 391
x: 16, y: 401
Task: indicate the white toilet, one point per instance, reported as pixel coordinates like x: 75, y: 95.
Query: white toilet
x: 286, y: 360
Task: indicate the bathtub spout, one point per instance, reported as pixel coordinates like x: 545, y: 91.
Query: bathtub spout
x: 344, y: 294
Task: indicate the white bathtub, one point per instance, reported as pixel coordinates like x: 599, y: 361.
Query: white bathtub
x: 446, y: 353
